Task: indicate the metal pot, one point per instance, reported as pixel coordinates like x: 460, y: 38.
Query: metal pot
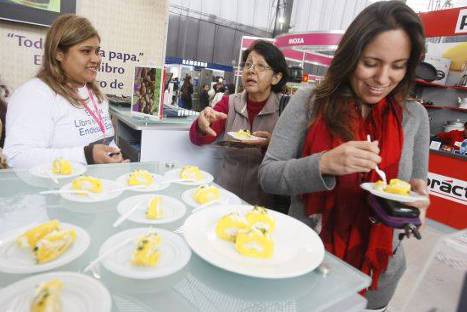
x: 428, y: 72
x: 462, y: 102
x: 453, y: 125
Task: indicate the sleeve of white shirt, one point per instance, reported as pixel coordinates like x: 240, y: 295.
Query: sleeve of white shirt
x: 30, y: 127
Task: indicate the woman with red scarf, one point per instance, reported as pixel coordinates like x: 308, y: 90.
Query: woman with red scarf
x: 319, y: 153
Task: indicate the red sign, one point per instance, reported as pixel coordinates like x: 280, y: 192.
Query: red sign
x: 448, y: 22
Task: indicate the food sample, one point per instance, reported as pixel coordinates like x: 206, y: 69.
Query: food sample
x: 154, y: 210
x: 259, y: 218
x: 191, y: 173
x: 229, y: 225
x: 140, y: 177
x: 251, y: 233
x: 32, y: 236
x: 398, y: 187
x: 87, y: 183
x: 254, y: 242
x: 147, y: 250
x: 47, y: 298
x: 61, y: 166
x: 47, y: 241
x: 205, y: 194
x: 54, y: 244
x: 243, y: 134
x: 379, y: 185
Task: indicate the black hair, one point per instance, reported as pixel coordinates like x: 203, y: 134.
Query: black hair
x: 274, y: 58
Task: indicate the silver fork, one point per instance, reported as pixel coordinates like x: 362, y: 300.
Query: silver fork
x: 380, y: 172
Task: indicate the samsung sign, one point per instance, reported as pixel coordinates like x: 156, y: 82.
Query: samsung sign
x: 447, y: 188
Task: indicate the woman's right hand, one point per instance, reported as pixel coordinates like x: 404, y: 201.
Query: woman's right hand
x: 101, y: 154
x: 350, y: 157
x: 206, y: 118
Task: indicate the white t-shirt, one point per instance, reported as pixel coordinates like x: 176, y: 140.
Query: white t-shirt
x: 42, y: 125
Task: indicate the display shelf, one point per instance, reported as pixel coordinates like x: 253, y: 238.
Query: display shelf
x: 457, y: 109
x: 435, y: 85
x: 434, y: 107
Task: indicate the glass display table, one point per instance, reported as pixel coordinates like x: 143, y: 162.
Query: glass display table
x: 200, y: 286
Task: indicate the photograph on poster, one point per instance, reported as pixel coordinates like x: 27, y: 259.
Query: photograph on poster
x: 147, y: 89
x: 39, y: 12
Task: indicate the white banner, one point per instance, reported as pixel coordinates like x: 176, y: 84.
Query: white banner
x: 461, y: 25
x: 447, y: 188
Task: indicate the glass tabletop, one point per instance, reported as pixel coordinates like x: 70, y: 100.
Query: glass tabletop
x: 146, y: 123
x: 199, y: 286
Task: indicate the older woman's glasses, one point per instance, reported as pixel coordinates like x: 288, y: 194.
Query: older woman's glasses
x: 258, y: 67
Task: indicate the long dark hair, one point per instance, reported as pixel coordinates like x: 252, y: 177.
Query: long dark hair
x: 4, y: 93
x: 334, y: 92
x: 273, y: 57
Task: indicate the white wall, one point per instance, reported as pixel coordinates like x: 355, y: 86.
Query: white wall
x: 137, y: 28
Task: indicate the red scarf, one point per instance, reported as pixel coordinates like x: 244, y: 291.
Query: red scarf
x: 346, y: 229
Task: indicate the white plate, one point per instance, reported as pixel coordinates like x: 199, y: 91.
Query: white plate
x: 175, y: 254
x: 158, y: 184
x: 400, y: 198
x: 251, y: 138
x: 175, y: 175
x: 107, y: 193
x: 298, y: 249
x: 172, y: 208
x: 226, y: 197
x: 17, y: 260
x: 45, y: 170
x: 80, y: 293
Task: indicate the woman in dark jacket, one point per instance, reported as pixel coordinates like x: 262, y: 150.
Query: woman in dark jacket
x: 204, y: 97
x: 187, y: 91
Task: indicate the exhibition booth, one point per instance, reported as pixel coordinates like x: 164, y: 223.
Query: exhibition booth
x: 196, y: 271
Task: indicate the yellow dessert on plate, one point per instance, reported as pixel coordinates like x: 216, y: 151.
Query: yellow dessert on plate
x: 32, y: 236
x: 205, y: 194
x: 87, y: 183
x: 47, y: 241
x: 54, y: 244
x: 154, y: 210
x: 379, y: 185
x: 229, y: 225
x: 243, y: 134
x: 191, y: 173
x: 398, y: 187
x: 254, y: 242
x: 147, y: 250
x: 47, y: 297
x: 140, y: 177
x: 62, y: 166
x: 260, y: 218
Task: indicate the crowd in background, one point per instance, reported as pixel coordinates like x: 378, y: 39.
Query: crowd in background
x: 209, y: 94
